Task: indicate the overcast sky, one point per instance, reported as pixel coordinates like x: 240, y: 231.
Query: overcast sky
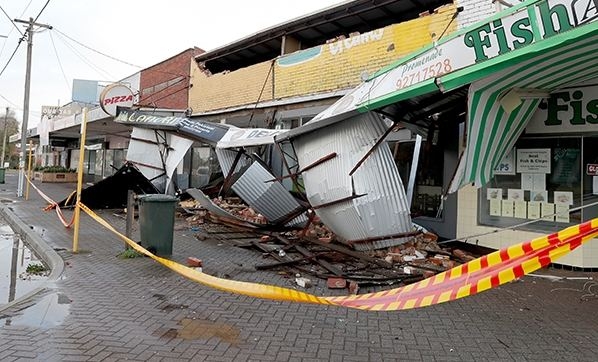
x: 142, y: 33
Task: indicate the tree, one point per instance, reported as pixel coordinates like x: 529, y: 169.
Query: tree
x: 9, y: 126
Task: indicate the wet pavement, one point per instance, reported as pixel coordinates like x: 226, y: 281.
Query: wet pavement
x: 15, y: 257
x: 104, y: 308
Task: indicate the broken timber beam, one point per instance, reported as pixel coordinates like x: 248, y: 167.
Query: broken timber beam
x: 355, y: 254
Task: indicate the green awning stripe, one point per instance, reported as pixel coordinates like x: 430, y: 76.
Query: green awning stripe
x: 530, y: 106
x: 568, y: 60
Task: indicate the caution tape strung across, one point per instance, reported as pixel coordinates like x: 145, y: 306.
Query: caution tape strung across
x: 246, y: 288
x: 476, y: 276
x: 489, y: 271
x: 53, y: 205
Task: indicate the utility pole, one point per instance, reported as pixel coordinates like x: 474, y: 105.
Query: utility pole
x: 4, y: 138
x: 29, y: 33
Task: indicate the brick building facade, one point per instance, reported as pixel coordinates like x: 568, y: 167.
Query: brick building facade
x: 166, y: 84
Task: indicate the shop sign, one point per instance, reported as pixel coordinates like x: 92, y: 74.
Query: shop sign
x: 567, y: 111
x: 496, y: 37
x: 592, y: 169
x: 533, y: 160
x: 140, y: 119
x: 116, y: 95
x: 207, y: 132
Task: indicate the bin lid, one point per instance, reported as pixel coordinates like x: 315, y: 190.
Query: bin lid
x: 157, y: 198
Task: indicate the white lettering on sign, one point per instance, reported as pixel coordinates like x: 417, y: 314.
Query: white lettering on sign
x: 339, y: 46
x: 592, y: 169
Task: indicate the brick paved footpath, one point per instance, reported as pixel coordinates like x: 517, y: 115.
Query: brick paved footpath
x: 135, y: 309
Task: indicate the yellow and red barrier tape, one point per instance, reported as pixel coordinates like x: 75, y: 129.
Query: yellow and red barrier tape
x: 476, y: 276
x: 53, y: 205
x: 489, y: 271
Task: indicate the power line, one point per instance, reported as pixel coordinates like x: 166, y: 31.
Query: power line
x: 10, y: 102
x: 13, y: 23
x: 12, y: 56
x: 41, y: 11
x: 97, y: 51
x: 22, y: 35
x: 11, y: 29
x: 87, y: 61
x: 59, y: 62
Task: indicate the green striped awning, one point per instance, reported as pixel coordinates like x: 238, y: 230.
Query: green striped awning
x: 491, y: 130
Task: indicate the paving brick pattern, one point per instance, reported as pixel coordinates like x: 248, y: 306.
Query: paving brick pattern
x: 135, y: 309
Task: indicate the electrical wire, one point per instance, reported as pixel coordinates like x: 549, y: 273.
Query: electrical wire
x: 60, y: 64
x: 13, y: 23
x: 12, y: 56
x: 97, y: 51
x: 148, y: 98
x: 11, y: 29
x: 41, y: 11
x: 99, y: 70
x: 10, y: 102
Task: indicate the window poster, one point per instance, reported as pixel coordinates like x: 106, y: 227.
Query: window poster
x: 495, y: 207
x: 507, y: 165
x: 533, y: 181
x: 533, y: 210
x: 494, y: 194
x: 533, y: 160
x: 547, y: 211
x: 520, y: 210
x: 507, y: 208
x: 562, y: 213
x: 567, y: 163
x: 515, y: 195
x: 539, y: 196
x: 563, y: 197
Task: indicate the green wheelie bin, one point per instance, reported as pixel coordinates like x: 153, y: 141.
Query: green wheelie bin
x: 156, y: 222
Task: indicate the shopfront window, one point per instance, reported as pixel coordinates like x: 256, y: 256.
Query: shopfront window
x: 204, y: 165
x: 590, y: 177
x: 429, y: 180
x: 541, y: 179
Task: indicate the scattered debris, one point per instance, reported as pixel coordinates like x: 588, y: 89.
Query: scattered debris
x: 303, y: 282
x: 194, y: 262
x: 314, y: 250
x: 336, y: 283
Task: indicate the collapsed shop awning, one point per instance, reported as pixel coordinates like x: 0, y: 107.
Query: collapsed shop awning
x: 215, y: 134
x: 559, y: 37
x: 111, y: 192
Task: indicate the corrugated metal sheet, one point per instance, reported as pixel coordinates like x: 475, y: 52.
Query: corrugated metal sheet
x: 226, y: 158
x: 207, y: 204
x: 383, y: 211
x: 270, y: 199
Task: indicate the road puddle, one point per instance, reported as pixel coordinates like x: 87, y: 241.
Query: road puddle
x: 48, y: 311
x: 15, y: 261
x: 193, y: 329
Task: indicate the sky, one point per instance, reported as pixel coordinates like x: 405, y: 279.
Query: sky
x: 137, y: 34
